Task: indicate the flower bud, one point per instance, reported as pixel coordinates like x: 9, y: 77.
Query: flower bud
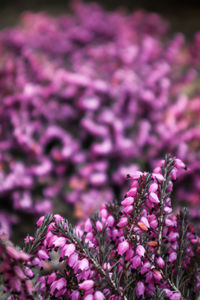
x: 86, y: 285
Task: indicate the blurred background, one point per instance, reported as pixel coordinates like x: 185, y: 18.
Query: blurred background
x: 183, y: 15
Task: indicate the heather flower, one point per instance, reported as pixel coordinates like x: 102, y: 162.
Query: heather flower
x: 86, y: 285
x: 140, y: 289
x: 123, y: 247
x: 134, y: 97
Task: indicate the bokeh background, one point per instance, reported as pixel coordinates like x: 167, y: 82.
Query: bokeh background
x: 183, y: 15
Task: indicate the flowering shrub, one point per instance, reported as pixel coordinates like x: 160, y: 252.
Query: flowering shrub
x: 84, y: 100
x: 135, y: 249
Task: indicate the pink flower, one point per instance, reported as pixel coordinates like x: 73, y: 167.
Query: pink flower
x: 98, y: 295
x: 43, y: 254
x: 88, y: 225
x: 160, y: 262
x: 83, y: 264
x: 123, y: 221
x: 58, y: 285
x: 140, y: 250
x: 88, y: 297
x: 67, y: 250
x: 86, y: 285
x: 136, y: 262
x: 157, y: 275
x: 153, y: 187
x: 175, y: 296
x: 172, y: 257
x: 127, y: 201
x: 110, y: 221
x: 59, y: 241
x: 122, y: 247
x: 18, y: 271
x: 99, y: 226
x: 153, y: 222
x: 40, y: 221
x: 179, y: 163
x: 140, y: 288
x: 128, y: 209
x: 28, y: 272
x: 153, y: 198
x: 12, y: 252
x: 73, y: 260
x: 131, y: 193
x: 75, y: 295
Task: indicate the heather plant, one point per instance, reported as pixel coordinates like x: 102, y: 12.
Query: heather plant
x: 85, y: 100
x: 138, y: 248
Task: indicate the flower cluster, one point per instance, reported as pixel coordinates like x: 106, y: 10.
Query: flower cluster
x: 136, y: 249
x: 14, y: 271
x: 85, y: 100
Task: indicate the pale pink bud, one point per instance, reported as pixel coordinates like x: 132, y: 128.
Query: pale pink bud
x: 123, y: 247
x: 167, y: 209
x: 86, y: 285
x: 174, y: 174
x: 18, y: 271
x: 179, y: 164
x: 51, y: 278
x: 140, y: 288
x: 132, y: 192
x: 157, y: 170
x: 136, y: 262
x: 175, y: 296
x: 145, y: 267
x: 145, y: 221
x: 159, y: 177
x: 153, y: 222
x: 110, y: 221
x: 58, y: 285
x: 88, y: 297
x: 67, y: 250
x: 135, y: 175
x: 173, y: 236
x: 127, y: 201
x: 75, y: 295
x: 59, y: 241
x: 83, y: 264
x: 29, y: 287
x: 88, y: 225
x: 24, y: 256
x: 12, y: 252
x: 73, y: 260
x: 123, y: 221
x: 115, y: 233
x: 129, y: 254
x: 99, y: 225
x: 140, y: 250
x: 153, y: 187
x: 172, y: 257
x: 153, y: 198
x: 28, y: 272
x: 40, y: 221
x: 128, y: 209
x: 104, y: 213
x: 160, y: 262
x: 157, y: 275
x: 43, y: 255
x: 98, y: 295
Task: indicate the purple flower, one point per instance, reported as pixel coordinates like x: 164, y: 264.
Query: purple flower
x: 123, y: 247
